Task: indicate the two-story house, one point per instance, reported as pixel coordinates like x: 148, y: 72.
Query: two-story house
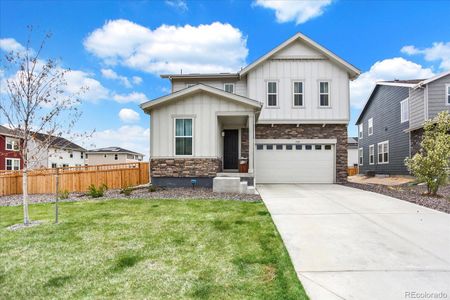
x: 285, y: 115
x: 390, y: 126
x: 10, y: 145
x: 112, y: 155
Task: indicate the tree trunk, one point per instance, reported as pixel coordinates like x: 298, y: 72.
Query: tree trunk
x: 26, y: 219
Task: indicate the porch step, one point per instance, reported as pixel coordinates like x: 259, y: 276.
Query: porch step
x: 232, y: 185
x: 243, y: 187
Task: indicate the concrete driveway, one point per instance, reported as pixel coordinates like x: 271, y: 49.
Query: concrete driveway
x: 347, y: 243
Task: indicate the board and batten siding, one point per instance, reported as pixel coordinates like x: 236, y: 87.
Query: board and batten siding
x: 285, y: 72
x: 437, y: 96
x: 384, y: 108
x: 202, y: 107
x: 240, y: 86
x: 416, y: 108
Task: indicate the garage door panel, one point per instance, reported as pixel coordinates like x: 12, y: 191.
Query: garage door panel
x: 295, y: 166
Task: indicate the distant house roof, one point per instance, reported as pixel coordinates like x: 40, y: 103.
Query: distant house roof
x: 58, y: 142
x: 112, y: 150
x: 6, y: 131
x: 200, y: 76
x: 352, y: 140
x: 427, y: 81
x: 397, y: 82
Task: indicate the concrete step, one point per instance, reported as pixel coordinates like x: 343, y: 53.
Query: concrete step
x: 226, y: 185
x: 251, y: 190
x: 243, y: 187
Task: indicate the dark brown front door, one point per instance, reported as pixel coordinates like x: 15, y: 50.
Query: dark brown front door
x: 231, y: 149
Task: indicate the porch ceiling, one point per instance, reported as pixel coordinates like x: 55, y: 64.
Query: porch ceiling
x: 233, y: 120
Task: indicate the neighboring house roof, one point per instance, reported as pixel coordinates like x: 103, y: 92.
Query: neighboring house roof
x: 427, y: 81
x: 200, y: 76
x: 200, y: 88
x: 6, y: 131
x: 402, y: 83
x: 58, y: 142
x: 352, y: 142
x: 114, y: 150
x: 352, y: 70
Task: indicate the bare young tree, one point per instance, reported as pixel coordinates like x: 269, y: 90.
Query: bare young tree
x: 36, y: 105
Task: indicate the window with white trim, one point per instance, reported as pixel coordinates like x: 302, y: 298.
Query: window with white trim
x: 183, y: 136
x: 447, y: 94
x: 272, y: 94
x: 12, y: 144
x: 324, y: 94
x: 228, y: 87
x: 383, y: 152
x: 297, y: 89
x: 12, y: 164
x: 371, y: 154
x: 370, y: 126
x: 360, y: 130
x: 361, y: 156
x: 404, y: 111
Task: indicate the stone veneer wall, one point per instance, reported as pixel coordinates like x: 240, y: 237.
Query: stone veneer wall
x: 185, y: 167
x: 416, y: 139
x: 244, y: 142
x: 311, y: 131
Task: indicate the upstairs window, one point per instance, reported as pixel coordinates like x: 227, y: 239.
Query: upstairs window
x: 81, y: 155
x: 12, y: 144
x: 298, y: 93
x: 228, y: 87
x: 447, y: 94
x: 371, y: 154
x: 404, y: 111
x: 183, y: 136
x: 361, y: 156
x: 324, y: 94
x: 360, y: 130
x: 383, y: 152
x: 272, y: 94
x: 116, y: 157
x: 370, y: 126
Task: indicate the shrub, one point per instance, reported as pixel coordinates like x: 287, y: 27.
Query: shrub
x: 63, y: 194
x: 96, y: 192
x: 152, y: 189
x: 430, y: 165
x: 126, y: 191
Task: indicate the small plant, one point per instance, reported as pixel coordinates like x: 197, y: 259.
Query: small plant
x: 126, y: 191
x: 152, y: 189
x: 97, y: 192
x: 63, y: 194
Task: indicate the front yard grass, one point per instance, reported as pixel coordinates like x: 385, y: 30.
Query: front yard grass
x: 135, y: 249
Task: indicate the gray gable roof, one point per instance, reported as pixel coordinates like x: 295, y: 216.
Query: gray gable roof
x: 113, y: 150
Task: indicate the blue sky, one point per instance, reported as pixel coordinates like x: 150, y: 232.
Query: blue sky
x: 384, y: 39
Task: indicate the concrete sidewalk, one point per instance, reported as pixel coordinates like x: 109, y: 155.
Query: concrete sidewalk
x: 347, y: 243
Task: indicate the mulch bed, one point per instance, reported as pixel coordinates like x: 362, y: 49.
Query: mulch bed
x: 411, y: 193
x: 141, y: 193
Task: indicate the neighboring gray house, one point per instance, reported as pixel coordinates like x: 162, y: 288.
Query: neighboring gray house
x: 390, y: 124
x: 286, y: 115
x: 112, y: 155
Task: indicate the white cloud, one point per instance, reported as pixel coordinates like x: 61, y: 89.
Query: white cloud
x: 94, y: 89
x: 110, y: 74
x: 10, y: 44
x: 179, y: 5
x: 216, y: 47
x: 131, y: 137
x: 437, y: 52
x: 128, y: 115
x: 131, y: 97
x: 298, y: 11
x: 136, y: 80
x: 387, y: 69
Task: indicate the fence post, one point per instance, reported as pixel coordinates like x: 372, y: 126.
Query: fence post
x: 56, y: 195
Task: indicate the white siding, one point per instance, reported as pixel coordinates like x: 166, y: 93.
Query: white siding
x: 203, y: 108
x: 310, y: 72
x: 62, y: 157
x: 240, y: 86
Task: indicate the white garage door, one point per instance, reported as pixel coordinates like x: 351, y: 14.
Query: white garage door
x: 294, y: 163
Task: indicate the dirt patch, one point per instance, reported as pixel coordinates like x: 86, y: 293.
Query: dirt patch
x: 143, y: 192
x: 411, y: 193
x: 389, y: 181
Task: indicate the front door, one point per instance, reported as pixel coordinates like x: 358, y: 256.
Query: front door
x: 231, y: 149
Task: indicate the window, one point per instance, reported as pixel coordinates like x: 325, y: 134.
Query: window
x: 327, y: 147
x: 12, y: 164
x: 259, y: 147
x: 86, y: 155
x: 228, y: 87
x: 308, y: 147
x: 383, y: 152
x: 297, y: 93
x: 183, y: 136
x: 404, y: 111
x: 318, y: 147
x: 71, y: 155
x: 370, y: 126
x: 324, y: 94
x: 116, y: 157
x: 272, y: 94
x: 447, y: 94
x: 104, y: 156
x: 81, y: 155
x: 298, y: 147
x: 12, y: 144
x: 54, y: 165
x: 371, y: 154
x: 361, y: 156
x: 288, y: 147
x: 269, y: 147
x: 65, y: 165
x: 360, y: 130
x: 279, y: 147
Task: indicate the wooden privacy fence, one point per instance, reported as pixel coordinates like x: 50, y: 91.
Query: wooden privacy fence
x: 352, y: 171
x: 75, y: 179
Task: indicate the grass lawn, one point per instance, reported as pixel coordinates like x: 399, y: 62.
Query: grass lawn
x: 135, y: 249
